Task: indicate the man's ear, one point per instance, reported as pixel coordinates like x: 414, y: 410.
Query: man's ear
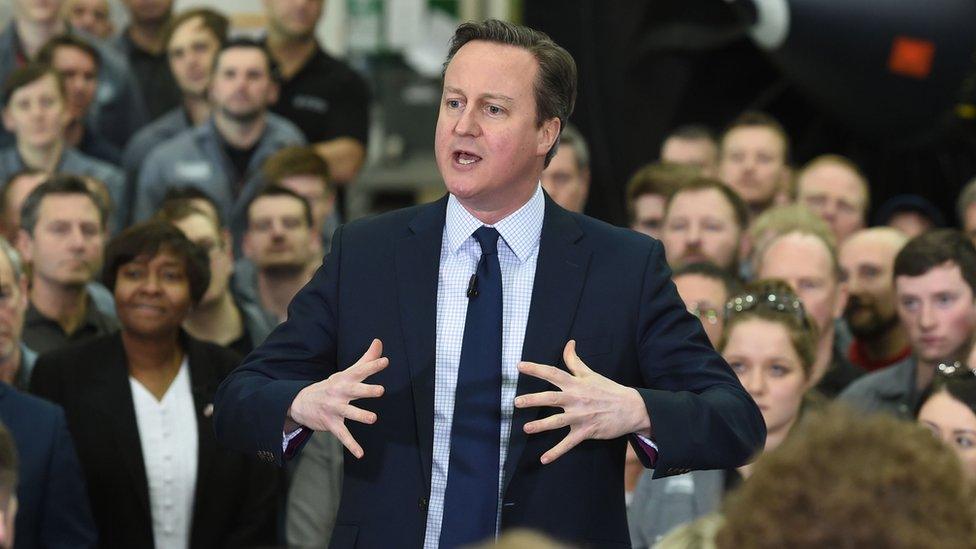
x: 25, y: 245
x: 548, y: 134
x: 843, y: 293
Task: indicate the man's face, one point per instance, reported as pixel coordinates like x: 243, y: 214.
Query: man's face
x: 295, y: 19
x: 697, y: 153
x: 489, y: 150
x: 700, y: 226
x: 649, y: 214
x: 152, y: 294
x: 705, y: 297
x: 67, y: 245
x: 38, y: 11
x: 804, y: 262
x: 867, y: 261
x: 242, y: 87
x: 191, y: 52
x: 278, y: 237
x: 937, y: 310
x: 17, y: 192
x: 753, y: 163
x: 80, y: 75
x: 201, y: 230
x: 315, y: 191
x: 565, y: 181
x: 836, y: 194
x: 36, y: 113
x: 148, y: 12
x: 13, y: 305
x: 91, y: 16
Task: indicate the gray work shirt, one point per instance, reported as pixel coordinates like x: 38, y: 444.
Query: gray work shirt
x: 117, y: 111
x: 195, y: 157
x: 144, y: 141
x: 76, y: 163
x: 891, y: 390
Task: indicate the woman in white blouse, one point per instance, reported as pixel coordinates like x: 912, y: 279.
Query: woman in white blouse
x: 139, y: 406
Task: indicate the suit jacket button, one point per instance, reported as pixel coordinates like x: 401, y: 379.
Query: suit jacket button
x: 422, y: 503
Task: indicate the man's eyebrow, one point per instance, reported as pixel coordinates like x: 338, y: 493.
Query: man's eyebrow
x: 494, y: 96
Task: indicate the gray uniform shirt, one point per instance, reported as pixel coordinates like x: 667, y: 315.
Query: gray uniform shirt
x: 144, y: 141
x: 891, y: 390
x: 195, y: 157
x: 74, y: 162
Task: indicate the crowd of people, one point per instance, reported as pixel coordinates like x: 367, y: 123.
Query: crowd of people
x: 169, y: 188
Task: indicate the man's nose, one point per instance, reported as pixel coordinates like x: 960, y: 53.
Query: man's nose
x: 466, y: 124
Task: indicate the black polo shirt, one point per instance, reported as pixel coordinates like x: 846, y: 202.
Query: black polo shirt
x: 159, y: 90
x: 326, y: 99
x: 43, y: 334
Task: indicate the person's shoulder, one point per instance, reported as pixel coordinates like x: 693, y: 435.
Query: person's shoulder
x: 178, y: 145
x: 390, y: 225
x: 889, y: 380
x: 97, y: 168
x: 284, y: 130
x: 603, y: 236
x: 218, y: 357
x: 159, y: 130
x: 41, y: 411
x: 80, y: 355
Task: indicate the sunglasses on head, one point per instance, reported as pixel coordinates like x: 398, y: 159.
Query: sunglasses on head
x: 786, y: 304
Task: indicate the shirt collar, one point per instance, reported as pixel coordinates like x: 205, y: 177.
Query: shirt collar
x: 520, y: 230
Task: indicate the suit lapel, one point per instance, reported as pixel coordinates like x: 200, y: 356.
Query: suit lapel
x: 559, y: 276
x: 116, y: 400
x: 417, y: 271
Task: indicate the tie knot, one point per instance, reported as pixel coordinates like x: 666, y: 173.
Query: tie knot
x: 488, y: 238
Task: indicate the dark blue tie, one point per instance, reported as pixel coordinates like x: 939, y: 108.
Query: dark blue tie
x: 471, y: 497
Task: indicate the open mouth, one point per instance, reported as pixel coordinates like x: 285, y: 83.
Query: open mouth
x: 465, y: 158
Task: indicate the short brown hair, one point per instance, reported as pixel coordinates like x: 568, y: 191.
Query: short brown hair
x: 846, y: 480
x: 296, y: 160
x: 780, y: 221
x: 213, y: 21
x: 758, y: 119
x: 934, y: 248
x: 555, y: 86
x: 58, y: 184
x: 27, y: 75
x: 46, y: 53
x: 699, y: 184
x: 788, y: 311
x: 658, y: 178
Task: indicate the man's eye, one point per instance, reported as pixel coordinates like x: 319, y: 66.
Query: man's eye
x: 494, y: 109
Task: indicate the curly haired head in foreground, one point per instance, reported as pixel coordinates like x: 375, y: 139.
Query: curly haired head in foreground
x: 850, y: 481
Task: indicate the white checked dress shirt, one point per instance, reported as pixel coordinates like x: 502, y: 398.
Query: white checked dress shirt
x: 168, y: 435
x: 518, y: 251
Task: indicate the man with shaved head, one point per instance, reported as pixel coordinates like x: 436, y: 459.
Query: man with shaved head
x: 806, y: 258
x: 867, y: 259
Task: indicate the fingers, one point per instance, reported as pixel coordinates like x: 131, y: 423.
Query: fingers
x: 362, y: 370
x: 553, y: 375
x: 557, y: 421
x: 358, y: 414
x: 565, y: 445
x: 362, y: 390
x: 345, y: 437
x: 552, y: 399
x: 375, y: 351
x: 572, y: 360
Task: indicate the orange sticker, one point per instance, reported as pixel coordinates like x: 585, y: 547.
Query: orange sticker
x: 911, y: 57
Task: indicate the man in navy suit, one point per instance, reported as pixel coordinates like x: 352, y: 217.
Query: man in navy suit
x: 590, y: 342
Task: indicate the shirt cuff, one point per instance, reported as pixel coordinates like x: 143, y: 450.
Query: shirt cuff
x: 649, y: 448
x: 291, y: 441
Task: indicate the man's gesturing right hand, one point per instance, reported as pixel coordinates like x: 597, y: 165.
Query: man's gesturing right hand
x: 324, y: 406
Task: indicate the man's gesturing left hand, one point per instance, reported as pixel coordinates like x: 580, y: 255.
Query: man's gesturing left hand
x: 594, y: 407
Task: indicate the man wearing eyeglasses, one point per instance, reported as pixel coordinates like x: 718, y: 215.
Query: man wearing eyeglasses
x: 705, y: 288
x: 935, y: 286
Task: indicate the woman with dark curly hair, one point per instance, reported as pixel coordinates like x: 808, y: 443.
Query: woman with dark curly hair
x: 770, y: 343
x: 139, y: 406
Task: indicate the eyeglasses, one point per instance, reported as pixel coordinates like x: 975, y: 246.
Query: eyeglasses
x: 786, y: 304
x: 709, y: 315
x: 955, y: 370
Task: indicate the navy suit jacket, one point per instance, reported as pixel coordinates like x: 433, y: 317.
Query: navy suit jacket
x: 608, y: 288
x: 53, y: 503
